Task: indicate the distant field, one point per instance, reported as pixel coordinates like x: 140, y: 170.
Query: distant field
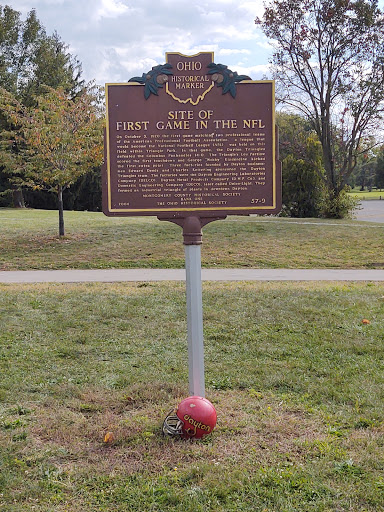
x: 296, y: 377
x: 365, y: 194
x: 29, y: 240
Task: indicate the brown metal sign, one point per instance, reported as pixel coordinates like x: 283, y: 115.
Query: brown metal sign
x: 191, y: 138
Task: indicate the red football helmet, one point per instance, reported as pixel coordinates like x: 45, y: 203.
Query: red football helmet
x: 195, y: 417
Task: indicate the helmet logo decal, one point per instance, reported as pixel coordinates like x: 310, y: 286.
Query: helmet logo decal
x: 196, y: 424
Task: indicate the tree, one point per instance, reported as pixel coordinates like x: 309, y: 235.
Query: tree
x: 84, y: 194
x: 329, y: 66
x: 379, y: 168
x: 55, y: 67
x: 29, y: 61
x: 303, y: 190
x: 59, y: 140
x: 293, y: 132
x: 365, y: 173
x: 302, y: 166
x: 10, y: 152
x: 18, y: 43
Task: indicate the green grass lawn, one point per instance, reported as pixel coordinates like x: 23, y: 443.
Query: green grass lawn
x: 366, y: 194
x: 29, y: 240
x: 296, y: 378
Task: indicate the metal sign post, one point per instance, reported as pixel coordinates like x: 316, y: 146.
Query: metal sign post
x: 195, y: 320
x: 193, y: 238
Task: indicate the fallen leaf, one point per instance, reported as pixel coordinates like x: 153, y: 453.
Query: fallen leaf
x: 109, y: 438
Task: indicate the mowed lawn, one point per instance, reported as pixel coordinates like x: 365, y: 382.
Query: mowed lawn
x: 367, y: 194
x: 29, y: 240
x: 296, y: 376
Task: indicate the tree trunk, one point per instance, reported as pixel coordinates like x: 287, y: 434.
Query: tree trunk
x: 18, y: 199
x: 61, y: 210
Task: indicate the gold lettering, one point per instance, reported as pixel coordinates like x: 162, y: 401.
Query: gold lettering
x: 180, y: 114
x: 201, y: 124
x: 197, y: 424
x: 205, y: 114
x: 225, y: 123
x: 173, y: 125
x: 190, y: 86
x: 131, y: 125
x: 253, y: 123
x: 189, y: 66
x: 190, y: 78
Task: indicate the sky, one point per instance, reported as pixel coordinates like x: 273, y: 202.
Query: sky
x: 116, y: 40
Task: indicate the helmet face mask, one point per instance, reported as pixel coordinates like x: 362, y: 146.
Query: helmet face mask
x: 195, y: 417
x: 172, y: 425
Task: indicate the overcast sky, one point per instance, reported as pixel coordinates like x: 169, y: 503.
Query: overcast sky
x: 118, y: 39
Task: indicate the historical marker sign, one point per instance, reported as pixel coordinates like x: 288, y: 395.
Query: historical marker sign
x: 191, y: 137
x: 190, y: 142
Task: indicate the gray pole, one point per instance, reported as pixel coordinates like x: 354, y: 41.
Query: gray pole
x: 193, y: 238
x: 195, y: 320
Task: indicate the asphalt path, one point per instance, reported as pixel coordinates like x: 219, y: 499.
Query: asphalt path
x: 216, y: 274
x: 370, y: 211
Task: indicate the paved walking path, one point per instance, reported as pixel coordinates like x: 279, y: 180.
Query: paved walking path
x: 371, y: 211
x: 216, y: 274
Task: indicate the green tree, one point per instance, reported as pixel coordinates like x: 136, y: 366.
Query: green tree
x: 293, y: 132
x: 329, y: 66
x: 84, y: 194
x: 379, y: 169
x: 29, y: 61
x: 365, y: 174
x: 54, y: 66
x: 300, y: 153
x: 60, y: 139
x: 19, y: 41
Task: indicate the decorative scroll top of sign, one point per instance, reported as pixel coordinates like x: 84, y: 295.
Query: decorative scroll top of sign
x: 188, y: 79
x: 154, y: 79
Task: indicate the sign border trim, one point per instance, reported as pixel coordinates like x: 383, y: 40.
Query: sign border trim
x: 157, y: 211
